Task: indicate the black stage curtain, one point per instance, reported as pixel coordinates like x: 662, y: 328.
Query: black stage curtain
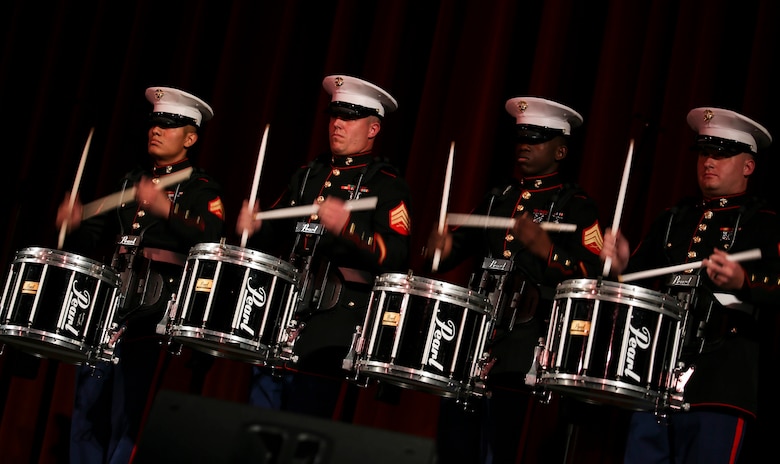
x: 632, y: 69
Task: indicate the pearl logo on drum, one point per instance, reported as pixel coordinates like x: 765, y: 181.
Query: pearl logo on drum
x: 444, y: 331
x: 639, y: 340
x: 77, y: 300
x: 253, y: 298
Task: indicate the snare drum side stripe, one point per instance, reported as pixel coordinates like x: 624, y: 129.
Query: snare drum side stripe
x: 37, y: 298
x: 372, y: 331
x: 377, y: 321
x: 91, y: 312
x: 592, y: 330
x: 17, y: 285
x: 191, y: 285
x: 363, y: 329
x: 654, y: 351
x: 456, y: 354
x: 5, y: 292
x: 563, y: 338
x: 399, y: 330
x: 214, y: 286
x: 269, y: 301
x: 175, y: 305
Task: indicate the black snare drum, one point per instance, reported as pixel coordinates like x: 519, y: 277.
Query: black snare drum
x: 234, y: 302
x: 425, y: 335
x: 59, y: 305
x: 612, y: 343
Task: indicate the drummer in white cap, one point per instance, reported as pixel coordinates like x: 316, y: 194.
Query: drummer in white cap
x: 720, y: 358
x: 151, y: 237
x: 519, y: 267
x: 344, y: 250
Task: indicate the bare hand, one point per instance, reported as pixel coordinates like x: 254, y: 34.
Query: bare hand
x: 246, y: 219
x: 617, y: 249
x: 152, y: 199
x: 728, y: 275
x: 333, y: 214
x: 72, y: 216
x: 437, y: 241
x: 531, y: 234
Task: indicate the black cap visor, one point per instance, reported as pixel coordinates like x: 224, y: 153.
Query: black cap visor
x: 533, y: 135
x: 719, y: 147
x: 170, y: 120
x: 349, y: 111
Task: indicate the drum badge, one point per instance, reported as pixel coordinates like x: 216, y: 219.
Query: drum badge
x: 30, y: 287
x: 204, y: 285
x: 390, y: 319
x: 580, y: 328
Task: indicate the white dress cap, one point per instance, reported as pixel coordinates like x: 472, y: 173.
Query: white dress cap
x: 178, y: 102
x: 729, y: 125
x: 348, y: 89
x: 543, y: 113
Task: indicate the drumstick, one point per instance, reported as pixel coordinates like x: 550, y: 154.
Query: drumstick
x: 109, y: 202
x: 444, y: 199
x: 255, y: 182
x: 75, y: 189
x: 475, y: 220
x: 741, y: 256
x: 361, y: 204
x: 621, y: 199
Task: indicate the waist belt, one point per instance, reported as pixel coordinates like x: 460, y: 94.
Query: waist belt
x: 159, y: 255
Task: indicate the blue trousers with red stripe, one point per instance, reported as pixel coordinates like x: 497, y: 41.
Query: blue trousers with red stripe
x: 693, y: 437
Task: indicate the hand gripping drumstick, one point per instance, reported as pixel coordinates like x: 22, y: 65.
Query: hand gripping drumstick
x: 620, y: 201
x: 75, y: 189
x: 748, y: 255
x: 108, y: 202
x: 256, y: 181
x: 444, y: 200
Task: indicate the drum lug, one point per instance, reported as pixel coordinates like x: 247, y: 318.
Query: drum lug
x: 485, y: 363
x: 164, y: 326
x: 349, y: 360
x: 680, y: 377
x: 545, y: 396
x: 532, y: 377
x: 285, y: 350
x: 174, y: 347
x: 292, y: 330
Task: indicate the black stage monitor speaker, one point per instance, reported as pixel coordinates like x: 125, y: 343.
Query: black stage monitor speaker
x: 185, y: 428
